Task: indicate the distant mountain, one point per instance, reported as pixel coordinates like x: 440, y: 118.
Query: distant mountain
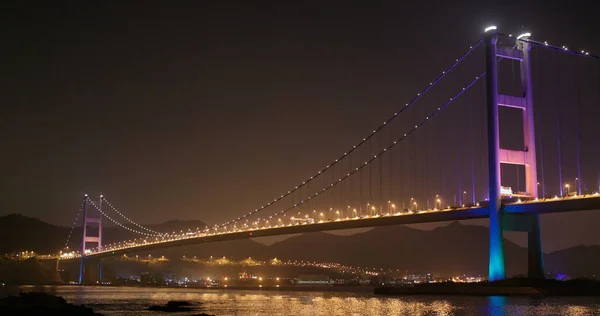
x: 448, y: 250
x: 576, y: 261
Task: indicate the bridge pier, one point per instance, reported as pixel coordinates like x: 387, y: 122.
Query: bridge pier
x: 100, y: 271
x: 56, y: 277
x: 90, y: 271
x: 535, y: 256
x: 530, y: 224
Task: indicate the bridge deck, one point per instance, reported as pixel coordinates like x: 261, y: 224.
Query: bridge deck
x: 541, y: 207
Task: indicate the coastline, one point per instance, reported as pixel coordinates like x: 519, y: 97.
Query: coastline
x: 509, y: 287
x: 301, y: 288
x: 291, y: 288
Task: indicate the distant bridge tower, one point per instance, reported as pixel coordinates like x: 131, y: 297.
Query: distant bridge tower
x: 500, y: 222
x: 90, y: 239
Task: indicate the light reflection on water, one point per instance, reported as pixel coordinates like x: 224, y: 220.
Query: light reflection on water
x: 133, y: 301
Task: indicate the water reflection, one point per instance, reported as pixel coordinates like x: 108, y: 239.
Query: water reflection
x: 134, y: 301
x: 496, y: 305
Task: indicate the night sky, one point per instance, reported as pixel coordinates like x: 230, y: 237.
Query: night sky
x: 208, y: 111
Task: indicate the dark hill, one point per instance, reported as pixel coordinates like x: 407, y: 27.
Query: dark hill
x: 21, y: 233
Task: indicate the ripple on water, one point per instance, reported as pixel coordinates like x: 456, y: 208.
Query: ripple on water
x: 134, y: 301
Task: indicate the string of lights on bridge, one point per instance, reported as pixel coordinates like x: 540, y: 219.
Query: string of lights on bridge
x: 582, y: 53
x: 128, y: 219
x: 73, y: 225
x: 525, y: 38
x: 364, y: 140
x: 117, y: 223
x: 132, y: 244
x: 378, y: 155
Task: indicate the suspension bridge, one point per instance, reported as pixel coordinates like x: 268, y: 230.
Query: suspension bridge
x: 487, y: 159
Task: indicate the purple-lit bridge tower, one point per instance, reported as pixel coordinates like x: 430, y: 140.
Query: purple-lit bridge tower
x: 90, y: 239
x: 499, y: 222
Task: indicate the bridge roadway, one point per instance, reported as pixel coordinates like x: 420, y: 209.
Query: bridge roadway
x: 547, y: 206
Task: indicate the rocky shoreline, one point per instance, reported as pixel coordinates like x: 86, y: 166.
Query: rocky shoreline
x: 38, y: 303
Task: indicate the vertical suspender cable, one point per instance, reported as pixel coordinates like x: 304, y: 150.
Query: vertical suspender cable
x: 380, y: 183
x: 486, y: 193
x: 310, y: 203
x: 342, y: 186
x: 351, y: 197
x: 598, y: 92
x: 333, y: 197
x: 577, y: 127
x: 441, y: 142
x: 370, y: 175
x: 426, y: 165
x: 401, y: 168
x: 302, y: 206
x: 472, y: 137
x: 325, y: 195
x: 483, y: 152
x: 557, y: 76
x: 293, y: 200
x: 332, y: 193
x: 391, y: 170
x: 459, y: 159
x: 360, y: 186
x: 541, y: 133
x: 415, y: 165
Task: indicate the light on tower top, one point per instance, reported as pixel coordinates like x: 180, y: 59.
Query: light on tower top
x: 526, y: 35
x: 490, y: 28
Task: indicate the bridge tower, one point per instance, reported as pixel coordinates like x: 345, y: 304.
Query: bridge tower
x: 500, y: 222
x: 90, y: 239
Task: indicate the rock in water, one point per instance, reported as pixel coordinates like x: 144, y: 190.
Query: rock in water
x: 172, y: 306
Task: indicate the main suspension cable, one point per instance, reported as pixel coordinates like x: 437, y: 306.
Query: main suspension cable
x: 375, y: 131
x: 127, y: 218
x: 564, y: 49
x: 73, y: 225
x: 119, y: 224
x: 378, y: 155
